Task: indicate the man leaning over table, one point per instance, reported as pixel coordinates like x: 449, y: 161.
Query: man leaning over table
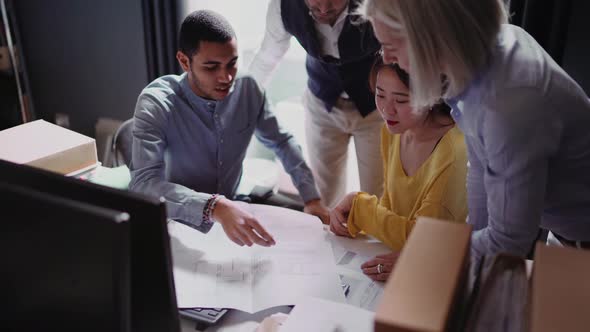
x: 191, y: 133
x: 338, y: 103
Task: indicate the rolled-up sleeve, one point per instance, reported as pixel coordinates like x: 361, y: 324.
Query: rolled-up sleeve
x: 520, y: 135
x: 148, y: 166
x: 275, y: 44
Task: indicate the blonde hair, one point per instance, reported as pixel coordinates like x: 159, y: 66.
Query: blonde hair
x: 453, y: 38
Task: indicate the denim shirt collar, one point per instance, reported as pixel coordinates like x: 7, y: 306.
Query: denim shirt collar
x: 196, y: 101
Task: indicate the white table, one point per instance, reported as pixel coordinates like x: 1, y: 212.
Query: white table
x: 363, y: 246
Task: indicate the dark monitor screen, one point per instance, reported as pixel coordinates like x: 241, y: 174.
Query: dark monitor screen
x: 65, y: 265
x: 153, y: 297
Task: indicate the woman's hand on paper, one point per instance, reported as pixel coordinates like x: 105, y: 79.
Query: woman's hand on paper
x: 380, y: 267
x: 339, y: 215
x: 240, y: 226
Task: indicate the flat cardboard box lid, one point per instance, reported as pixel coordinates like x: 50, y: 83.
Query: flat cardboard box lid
x: 420, y: 292
x: 35, y: 140
x: 560, y: 298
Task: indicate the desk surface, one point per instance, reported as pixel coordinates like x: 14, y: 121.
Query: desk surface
x: 348, y: 255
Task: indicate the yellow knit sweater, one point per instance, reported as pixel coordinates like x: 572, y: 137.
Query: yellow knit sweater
x: 436, y: 190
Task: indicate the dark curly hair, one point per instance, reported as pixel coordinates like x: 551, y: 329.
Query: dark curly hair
x: 204, y: 25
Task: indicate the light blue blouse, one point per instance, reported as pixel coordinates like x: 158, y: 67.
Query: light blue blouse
x: 527, y: 129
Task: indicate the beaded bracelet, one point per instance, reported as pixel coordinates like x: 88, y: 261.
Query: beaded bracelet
x: 209, y: 206
x: 207, y: 210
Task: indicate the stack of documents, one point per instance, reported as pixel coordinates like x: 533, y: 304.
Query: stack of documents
x: 212, y: 271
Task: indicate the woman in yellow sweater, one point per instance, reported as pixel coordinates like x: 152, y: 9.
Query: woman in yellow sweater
x: 424, y: 164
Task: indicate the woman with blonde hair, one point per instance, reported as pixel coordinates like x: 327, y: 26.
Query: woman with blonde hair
x: 424, y: 167
x: 524, y: 119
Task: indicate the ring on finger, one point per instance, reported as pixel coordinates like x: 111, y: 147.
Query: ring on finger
x: 379, y: 268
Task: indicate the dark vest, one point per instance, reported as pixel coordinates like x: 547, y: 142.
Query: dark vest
x: 329, y: 77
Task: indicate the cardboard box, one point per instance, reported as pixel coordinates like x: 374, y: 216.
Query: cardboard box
x: 560, y: 299
x: 44, y: 145
x: 429, y: 274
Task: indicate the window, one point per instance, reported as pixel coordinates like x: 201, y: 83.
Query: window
x: 289, y: 80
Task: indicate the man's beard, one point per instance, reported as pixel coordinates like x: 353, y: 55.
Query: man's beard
x: 199, y: 86
x: 327, y: 20
x: 211, y: 93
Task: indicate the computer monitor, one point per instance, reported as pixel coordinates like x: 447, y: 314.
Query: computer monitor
x: 65, y: 264
x: 153, y: 299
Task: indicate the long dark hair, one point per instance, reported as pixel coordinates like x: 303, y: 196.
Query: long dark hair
x: 438, y: 110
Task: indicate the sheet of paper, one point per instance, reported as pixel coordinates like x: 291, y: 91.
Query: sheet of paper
x: 363, y: 292
x: 361, y: 245
x: 312, y: 314
x: 349, y: 255
x: 211, y: 271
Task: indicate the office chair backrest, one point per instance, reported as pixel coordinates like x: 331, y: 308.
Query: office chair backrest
x: 122, y: 142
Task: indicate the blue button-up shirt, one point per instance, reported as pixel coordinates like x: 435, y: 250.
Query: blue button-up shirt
x: 186, y: 147
x: 527, y: 129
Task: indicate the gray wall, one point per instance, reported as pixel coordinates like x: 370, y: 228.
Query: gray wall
x: 576, y: 60
x: 85, y: 58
